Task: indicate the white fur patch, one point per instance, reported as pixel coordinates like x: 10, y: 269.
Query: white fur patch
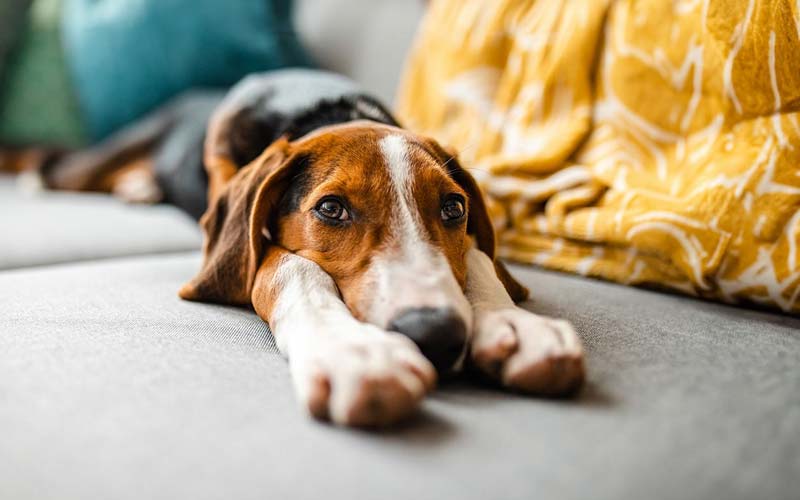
x: 395, y: 153
x: 308, y: 298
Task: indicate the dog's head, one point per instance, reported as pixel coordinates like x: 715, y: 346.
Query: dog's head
x: 388, y: 214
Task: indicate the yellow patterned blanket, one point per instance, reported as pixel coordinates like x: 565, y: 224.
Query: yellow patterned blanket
x: 643, y: 141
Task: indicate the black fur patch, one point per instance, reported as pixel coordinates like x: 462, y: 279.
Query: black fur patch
x: 253, y: 129
x: 342, y: 110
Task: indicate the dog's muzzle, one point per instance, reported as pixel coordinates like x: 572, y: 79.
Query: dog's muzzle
x: 439, y: 333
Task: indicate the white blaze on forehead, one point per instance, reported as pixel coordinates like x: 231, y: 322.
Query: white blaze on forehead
x: 413, y: 273
x: 395, y: 152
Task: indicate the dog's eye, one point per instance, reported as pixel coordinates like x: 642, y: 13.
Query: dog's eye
x: 453, y: 208
x: 333, y: 209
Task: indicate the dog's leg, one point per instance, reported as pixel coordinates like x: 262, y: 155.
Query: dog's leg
x: 349, y: 372
x: 89, y: 169
x: 514, y: 346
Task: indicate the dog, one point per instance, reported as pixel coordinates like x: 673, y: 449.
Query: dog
x: 366, y: 248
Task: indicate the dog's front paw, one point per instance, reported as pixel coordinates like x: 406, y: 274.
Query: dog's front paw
x: 527, y: 352
x: 366, y: 378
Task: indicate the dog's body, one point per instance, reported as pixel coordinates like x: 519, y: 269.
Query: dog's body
x: 366, y: 248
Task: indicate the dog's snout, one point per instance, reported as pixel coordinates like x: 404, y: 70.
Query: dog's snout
x: 438, y: 332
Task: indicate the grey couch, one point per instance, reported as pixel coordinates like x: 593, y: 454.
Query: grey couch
x: 113, y: 388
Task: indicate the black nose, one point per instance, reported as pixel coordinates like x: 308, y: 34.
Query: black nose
x: 438, y: 332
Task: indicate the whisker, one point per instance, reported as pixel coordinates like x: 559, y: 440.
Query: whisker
x: 467, y: 148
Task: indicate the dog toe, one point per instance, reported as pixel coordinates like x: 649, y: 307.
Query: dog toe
x: 556, y: 375
x: 529, y: 353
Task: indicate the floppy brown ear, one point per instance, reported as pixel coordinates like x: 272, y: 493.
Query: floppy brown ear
x: 479, y: 224
x: 234, y: 243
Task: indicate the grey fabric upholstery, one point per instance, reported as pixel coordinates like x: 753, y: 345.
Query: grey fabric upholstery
x: 52, y: 227
x: 111, y: 387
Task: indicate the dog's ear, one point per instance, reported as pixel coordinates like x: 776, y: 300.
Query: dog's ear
x: 479, y: 224
x: 233, y: 228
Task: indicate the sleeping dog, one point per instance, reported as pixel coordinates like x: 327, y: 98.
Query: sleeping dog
x: 367, y: 248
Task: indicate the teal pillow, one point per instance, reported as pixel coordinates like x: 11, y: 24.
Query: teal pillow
x: 129, y: 56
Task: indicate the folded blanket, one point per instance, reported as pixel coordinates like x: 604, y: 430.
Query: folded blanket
x: 645, y: 142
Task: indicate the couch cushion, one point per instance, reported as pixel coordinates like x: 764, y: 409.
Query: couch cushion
x: 366, y: 40
x: 53, y: 227
x: 111, y: 387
